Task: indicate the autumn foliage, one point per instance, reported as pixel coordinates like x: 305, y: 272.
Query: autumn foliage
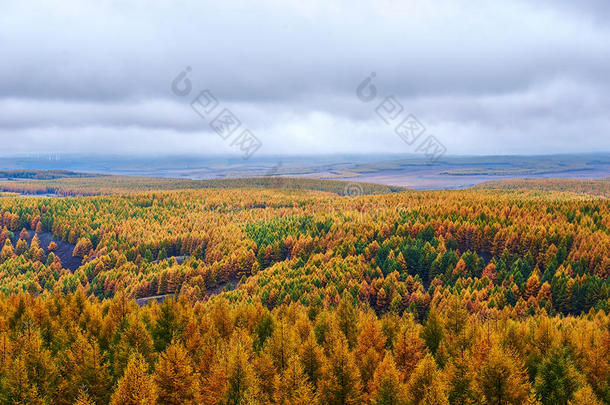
x: 303, y: 296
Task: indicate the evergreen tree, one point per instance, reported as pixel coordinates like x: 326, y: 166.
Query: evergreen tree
x: 347, y: 320
x: 557, y: 380
x: 433, y: 331
x: 168, y: 326
x: 386, y: 387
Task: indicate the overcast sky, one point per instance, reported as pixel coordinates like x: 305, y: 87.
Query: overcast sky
x: 483, y: 77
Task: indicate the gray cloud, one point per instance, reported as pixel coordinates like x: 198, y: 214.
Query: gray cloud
x: 501, y: 77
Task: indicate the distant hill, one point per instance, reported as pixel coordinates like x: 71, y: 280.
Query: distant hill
x: 89, y: 185
x: 412, y: 171
x: 42, y: 174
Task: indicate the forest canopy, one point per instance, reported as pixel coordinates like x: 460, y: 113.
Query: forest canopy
x: 291, y: 295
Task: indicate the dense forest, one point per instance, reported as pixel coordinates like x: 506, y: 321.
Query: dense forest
x: 287, y: 292
x: 599, y: 187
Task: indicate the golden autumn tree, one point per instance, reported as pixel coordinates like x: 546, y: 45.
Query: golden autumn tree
x: 7, y: 251
x: 82, y: 248
x: 409, y: 349
x: 214, y: 386
x: 83, y: 398
x: 312, y: 358
x: 292, y: 386
x: 386, y: 388
x: 136, y: 387
x: 84, y: 367
x: 281, y: 345
x: 501, y: 379
x: 174, y: 377
x: 20, y: 390
x: 584, y: 396
x: 426, y: 385
x: 370, y: 348
x: 340, y: 381
x: 21, y: 247
x: 134, y: 339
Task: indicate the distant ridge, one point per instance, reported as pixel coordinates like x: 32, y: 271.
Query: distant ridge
x: 42, y: 174
x: 89, y: 185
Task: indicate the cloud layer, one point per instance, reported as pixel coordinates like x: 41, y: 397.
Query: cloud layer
x: 483, y: 77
